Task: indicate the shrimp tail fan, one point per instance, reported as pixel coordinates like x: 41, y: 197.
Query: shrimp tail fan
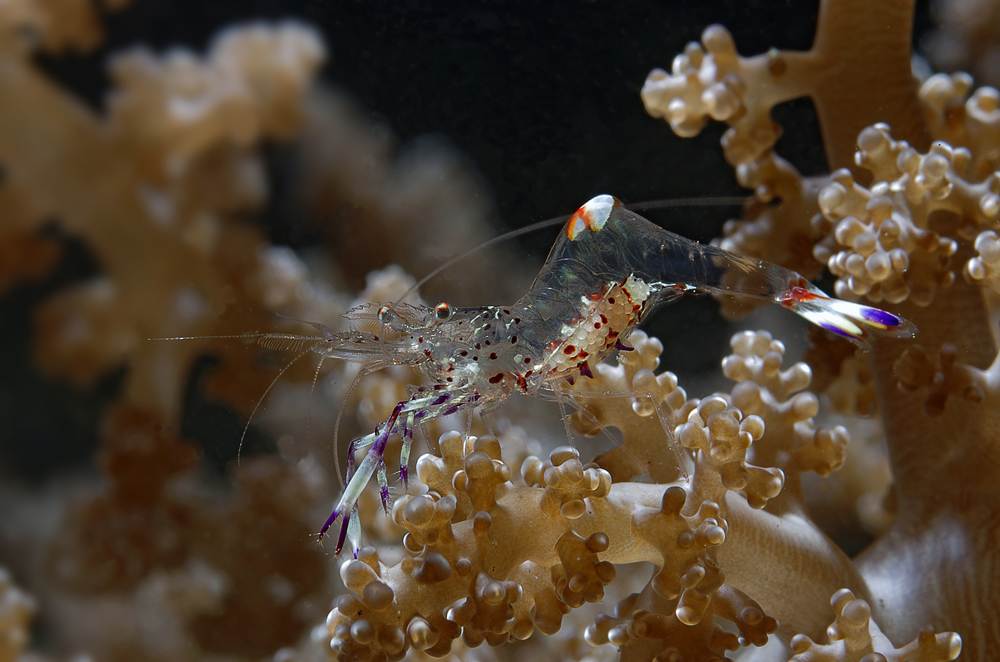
x: 854, y: 321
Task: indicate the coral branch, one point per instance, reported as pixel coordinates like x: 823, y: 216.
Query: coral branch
x: 854, y: 637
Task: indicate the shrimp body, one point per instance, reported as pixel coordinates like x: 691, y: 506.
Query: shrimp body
x: 608, y: 270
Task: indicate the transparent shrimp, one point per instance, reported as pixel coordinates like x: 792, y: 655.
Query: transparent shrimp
x: 609, y: 269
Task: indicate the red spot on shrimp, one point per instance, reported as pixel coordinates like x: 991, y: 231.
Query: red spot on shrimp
x: 569, y: 349
x: 527, y: 360
x: 493, y: 356
x: 796, y: 293
x: 497, y: 378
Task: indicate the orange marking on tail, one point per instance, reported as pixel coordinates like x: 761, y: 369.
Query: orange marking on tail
x: 796, y: 293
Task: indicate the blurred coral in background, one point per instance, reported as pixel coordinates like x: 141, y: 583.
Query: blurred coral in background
x: 215, y: 185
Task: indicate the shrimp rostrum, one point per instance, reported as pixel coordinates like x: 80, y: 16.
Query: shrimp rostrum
x: 609, y: 269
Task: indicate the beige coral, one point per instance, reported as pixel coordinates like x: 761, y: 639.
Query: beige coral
x: 16, y: 610
x: 711, y: 80
x: 855, y: 637
x: 148, y: 235
x: 898, y: 233
x: 169, y: 112
x: 881, y: 244
x: 695, y: 531
x: 53, y: 25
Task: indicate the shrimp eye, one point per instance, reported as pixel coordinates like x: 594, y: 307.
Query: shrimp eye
x: 385, y: 315
x: 443, y: 311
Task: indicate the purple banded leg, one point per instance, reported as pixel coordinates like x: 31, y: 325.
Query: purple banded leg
x: 344, y: 528
x: 329, y: 522
x: 343, y: 533
x: 383, y: 485
x: 377, y: 453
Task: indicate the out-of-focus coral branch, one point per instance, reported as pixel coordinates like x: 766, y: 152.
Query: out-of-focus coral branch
x: 967, y: 38
x: 132, y: 188
x: 54, y: 26
x: 16, y: 609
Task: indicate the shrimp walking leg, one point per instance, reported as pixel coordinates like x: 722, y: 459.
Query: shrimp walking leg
x: 373, y: 460
x: 402, y: 420
x: 404, y: 452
